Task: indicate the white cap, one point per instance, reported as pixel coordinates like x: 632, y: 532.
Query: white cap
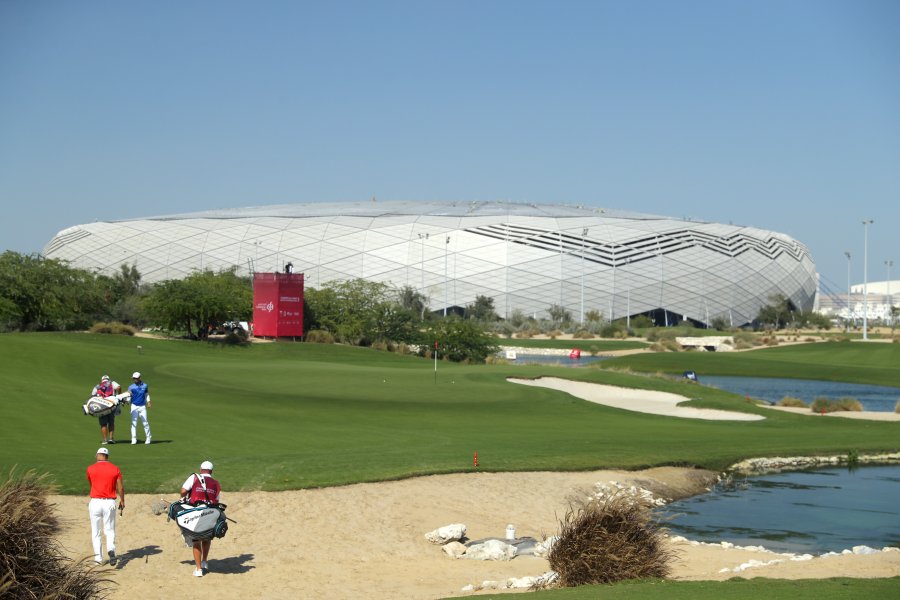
x: 136, y: 375
x: 103, y: 451
x: 104, y: 378
x: 206, y: 466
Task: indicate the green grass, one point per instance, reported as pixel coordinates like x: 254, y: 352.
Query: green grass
x: 735, y: 589
x: 290, y: 416
x: 855, y: 362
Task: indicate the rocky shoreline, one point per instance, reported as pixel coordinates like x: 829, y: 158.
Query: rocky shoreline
x: 776, y: 464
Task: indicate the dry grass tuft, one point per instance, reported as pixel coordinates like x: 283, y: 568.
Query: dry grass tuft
x: 609, y: 539
x: 32, y: 564
x: 826, y: 405
x: 792, y: 402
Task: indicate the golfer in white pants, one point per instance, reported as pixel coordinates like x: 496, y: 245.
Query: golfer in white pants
x: 140, y: 402
x: 106, y: 482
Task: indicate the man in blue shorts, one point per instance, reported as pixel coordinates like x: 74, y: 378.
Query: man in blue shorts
x: 140, y: 402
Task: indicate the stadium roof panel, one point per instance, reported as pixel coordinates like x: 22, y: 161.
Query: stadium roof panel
x: 379, y: 208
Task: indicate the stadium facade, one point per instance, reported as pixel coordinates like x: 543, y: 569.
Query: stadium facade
x: 525, y: 257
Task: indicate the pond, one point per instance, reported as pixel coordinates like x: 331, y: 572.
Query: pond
x: 825, y: 510
x: 560, y: 360
x: 876, y: 398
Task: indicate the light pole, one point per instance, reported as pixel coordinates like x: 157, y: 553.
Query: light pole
x: 662, y: 282
x: 584, y: 232
x: 849, y: 310
x: 422, y: 238
x: 446, y: 297
x: 612, y: 307
x: 889, y: 264
x: 866, y: 224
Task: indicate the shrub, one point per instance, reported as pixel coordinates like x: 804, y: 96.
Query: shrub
x: 319, y: 336
x: 609, y: 539
x: 581, y: 334
x: 32, y: 563
x: 236, y: 337
x: 822, y: 404
x: 849, y: 404
x: 666, y: 346
x: 113, y: 327
x: 792, y: 402
x: 641, y: 322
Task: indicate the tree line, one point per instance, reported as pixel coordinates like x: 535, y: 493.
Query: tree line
x: 39, y: 294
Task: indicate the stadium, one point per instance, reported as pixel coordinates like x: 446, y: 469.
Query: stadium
x: 526, y: 257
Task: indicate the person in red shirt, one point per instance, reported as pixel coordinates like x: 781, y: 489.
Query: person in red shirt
x: 106, y: 482
x: 201, y: 488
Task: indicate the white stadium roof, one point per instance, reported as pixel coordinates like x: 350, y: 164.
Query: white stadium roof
x: 525, y: 256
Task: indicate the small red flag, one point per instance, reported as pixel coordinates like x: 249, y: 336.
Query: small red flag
x: 435, y: 344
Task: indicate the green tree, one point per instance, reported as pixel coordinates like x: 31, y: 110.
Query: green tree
x: 593, y: 316
x: 358, y: 312
x: 202, y: 298
x: 47, y: 294
x: 459, y: 340
x: 777, y: 314
x: 482, y: 310
x: 559, y: 315
x: 413, y: 301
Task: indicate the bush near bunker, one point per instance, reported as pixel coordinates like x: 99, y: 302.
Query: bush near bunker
x: 32, y: 563
x: 609, y: 539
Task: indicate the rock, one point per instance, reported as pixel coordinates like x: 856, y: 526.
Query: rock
x: 454, y: 549
x: 447, y: 533
x: 491, y: 550
x: 542, y: 549
x: 864, y: 550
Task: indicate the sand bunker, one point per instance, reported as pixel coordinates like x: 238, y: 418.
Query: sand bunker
x: 367, y: 540
x: 645, y: 401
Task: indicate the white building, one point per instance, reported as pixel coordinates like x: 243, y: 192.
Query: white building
x: 526, y: 257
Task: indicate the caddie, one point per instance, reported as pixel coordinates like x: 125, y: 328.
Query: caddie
x: 201, y: 488
x: 105, y: 389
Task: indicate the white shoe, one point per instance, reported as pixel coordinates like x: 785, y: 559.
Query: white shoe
x: 133, y: 441
x: 148, y: 441
x: 198, y: 572
x: 98, y: 560
x: 204, y: 566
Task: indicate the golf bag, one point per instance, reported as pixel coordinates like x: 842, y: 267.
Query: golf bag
x: 97, y: 406
x: 199, y: 520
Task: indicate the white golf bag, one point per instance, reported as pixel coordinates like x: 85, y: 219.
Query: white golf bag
x: 199, y: 521
x: 98, y: 406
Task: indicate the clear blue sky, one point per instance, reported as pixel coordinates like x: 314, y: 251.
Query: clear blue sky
x: 783, y: 115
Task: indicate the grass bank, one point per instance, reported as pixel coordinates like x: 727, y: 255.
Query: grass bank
x: 290, y: 416
x: 854, y: 362
x: 736, y: 589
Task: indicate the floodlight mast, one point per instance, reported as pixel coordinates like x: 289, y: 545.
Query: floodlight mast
x: 866, y: 224
x: 849, y: 310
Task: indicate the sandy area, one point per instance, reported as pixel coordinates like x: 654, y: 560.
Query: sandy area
x: 666, y: 404
x: 646, y: 401
x: 367, y: 540
x: 843, y: 414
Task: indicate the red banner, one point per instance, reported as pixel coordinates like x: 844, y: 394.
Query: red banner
x: 278, y: 304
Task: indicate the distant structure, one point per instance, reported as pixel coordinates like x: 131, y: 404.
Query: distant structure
x: 882, y: 296
x: 526, y: 257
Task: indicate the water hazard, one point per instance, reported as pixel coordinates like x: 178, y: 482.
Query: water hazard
x: 825, y: 510
x: 560, y: 360
x: 876, y: 398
